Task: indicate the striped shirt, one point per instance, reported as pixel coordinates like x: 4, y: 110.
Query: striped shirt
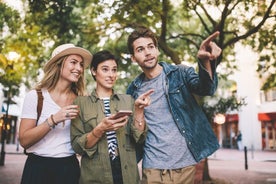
x: 111, y: 135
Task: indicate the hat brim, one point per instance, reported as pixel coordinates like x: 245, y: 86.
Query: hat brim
x: 85, y: 54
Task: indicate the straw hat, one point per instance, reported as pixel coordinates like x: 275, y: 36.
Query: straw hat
x: 68, y: 49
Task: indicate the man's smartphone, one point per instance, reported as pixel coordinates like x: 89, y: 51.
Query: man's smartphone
x: 122, y: 113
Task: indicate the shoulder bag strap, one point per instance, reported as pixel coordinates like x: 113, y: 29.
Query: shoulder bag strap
x: 39, y: 103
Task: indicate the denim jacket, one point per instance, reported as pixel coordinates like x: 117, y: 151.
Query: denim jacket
x: 181, y: 83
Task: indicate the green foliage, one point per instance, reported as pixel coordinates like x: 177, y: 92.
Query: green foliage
x: 8, y: 18
x: 54, y: 18
x: 224, y: 101
x: 267, y: 60
x: 10, y: 75
x: 222, y: 106
x: 181, y: 26
x: 10, y: 78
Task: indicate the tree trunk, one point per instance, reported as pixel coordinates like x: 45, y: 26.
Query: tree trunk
x: 206, y: 175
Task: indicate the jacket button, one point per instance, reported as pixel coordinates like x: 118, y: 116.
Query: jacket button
x: 183, y: 131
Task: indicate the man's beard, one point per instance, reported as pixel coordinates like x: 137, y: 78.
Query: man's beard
x: 151, y: 66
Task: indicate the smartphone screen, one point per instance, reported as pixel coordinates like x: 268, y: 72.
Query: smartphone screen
x: 122, y: 113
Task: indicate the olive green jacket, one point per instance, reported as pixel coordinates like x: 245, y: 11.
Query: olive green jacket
x: 95, y: 161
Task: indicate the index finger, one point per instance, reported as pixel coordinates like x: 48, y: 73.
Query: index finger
x: 149, y: 92
x: 211, y: 37
x: 72, y: 106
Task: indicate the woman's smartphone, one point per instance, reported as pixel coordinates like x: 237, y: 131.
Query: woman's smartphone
x: 122, y: 113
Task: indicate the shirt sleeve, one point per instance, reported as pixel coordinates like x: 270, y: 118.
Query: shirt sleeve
x: 78, y: 133
x: 29, y: 106
x: 139, y: 136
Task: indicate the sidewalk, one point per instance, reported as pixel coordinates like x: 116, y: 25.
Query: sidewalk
x: 11, y: 172
x: 252, y: 155
x: 13, y: 149
x: 229, y: 165
x: 226, y: 166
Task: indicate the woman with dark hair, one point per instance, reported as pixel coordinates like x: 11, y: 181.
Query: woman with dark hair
x: 105, y: 142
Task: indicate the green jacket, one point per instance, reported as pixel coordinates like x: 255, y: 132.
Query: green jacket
x: 95, y: 162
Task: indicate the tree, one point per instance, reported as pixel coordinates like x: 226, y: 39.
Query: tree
x: 14, y: 71
x: 219, y: 105
x: 43, y: 26
x: 180, y: 26
x: 10, y: 80
x: 10, y: 68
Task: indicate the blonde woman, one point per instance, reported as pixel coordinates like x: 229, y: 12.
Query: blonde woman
x: 46, y: 139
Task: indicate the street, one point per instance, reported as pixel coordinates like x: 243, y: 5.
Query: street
x: 226, y: 166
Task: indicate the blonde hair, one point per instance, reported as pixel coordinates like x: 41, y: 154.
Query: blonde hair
x: 52, y: 74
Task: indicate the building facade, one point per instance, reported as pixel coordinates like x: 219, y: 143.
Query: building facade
x: 257, y: 119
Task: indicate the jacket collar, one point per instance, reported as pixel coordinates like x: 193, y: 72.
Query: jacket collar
x: 95, y: 97
x: 167, y: 68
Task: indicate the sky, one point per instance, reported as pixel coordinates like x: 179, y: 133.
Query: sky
x: 16, y: 4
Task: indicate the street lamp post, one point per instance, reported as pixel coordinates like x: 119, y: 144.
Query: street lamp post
x: 3, y: 138
x: 4, y: 130
x: 219, y: 119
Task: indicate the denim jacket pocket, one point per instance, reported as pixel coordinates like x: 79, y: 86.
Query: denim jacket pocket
x: 178, y: 97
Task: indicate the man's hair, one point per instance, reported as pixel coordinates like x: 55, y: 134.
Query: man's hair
x: 100, y: 57
x: 138, y: 33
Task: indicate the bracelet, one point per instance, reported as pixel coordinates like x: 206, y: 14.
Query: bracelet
x: 52, y: 118
x: 51, y: 126
x: 95, y: 134
x: 139, y: 122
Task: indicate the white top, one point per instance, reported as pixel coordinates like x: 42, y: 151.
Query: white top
x: 57, y: 142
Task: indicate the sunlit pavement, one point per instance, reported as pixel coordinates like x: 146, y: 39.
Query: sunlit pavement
x: 230, y: 165
x: 225, y: 165
x: 11, y: 172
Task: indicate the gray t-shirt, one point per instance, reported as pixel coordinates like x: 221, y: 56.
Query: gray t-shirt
x: 165, y: 147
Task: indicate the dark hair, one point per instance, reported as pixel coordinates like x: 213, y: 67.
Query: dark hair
x: 100, y: 57
x: 139, y: 32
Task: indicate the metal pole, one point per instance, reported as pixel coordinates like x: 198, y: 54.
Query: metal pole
x: 245, y: 158
x: 252, y: 151
x: 3, y: 138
